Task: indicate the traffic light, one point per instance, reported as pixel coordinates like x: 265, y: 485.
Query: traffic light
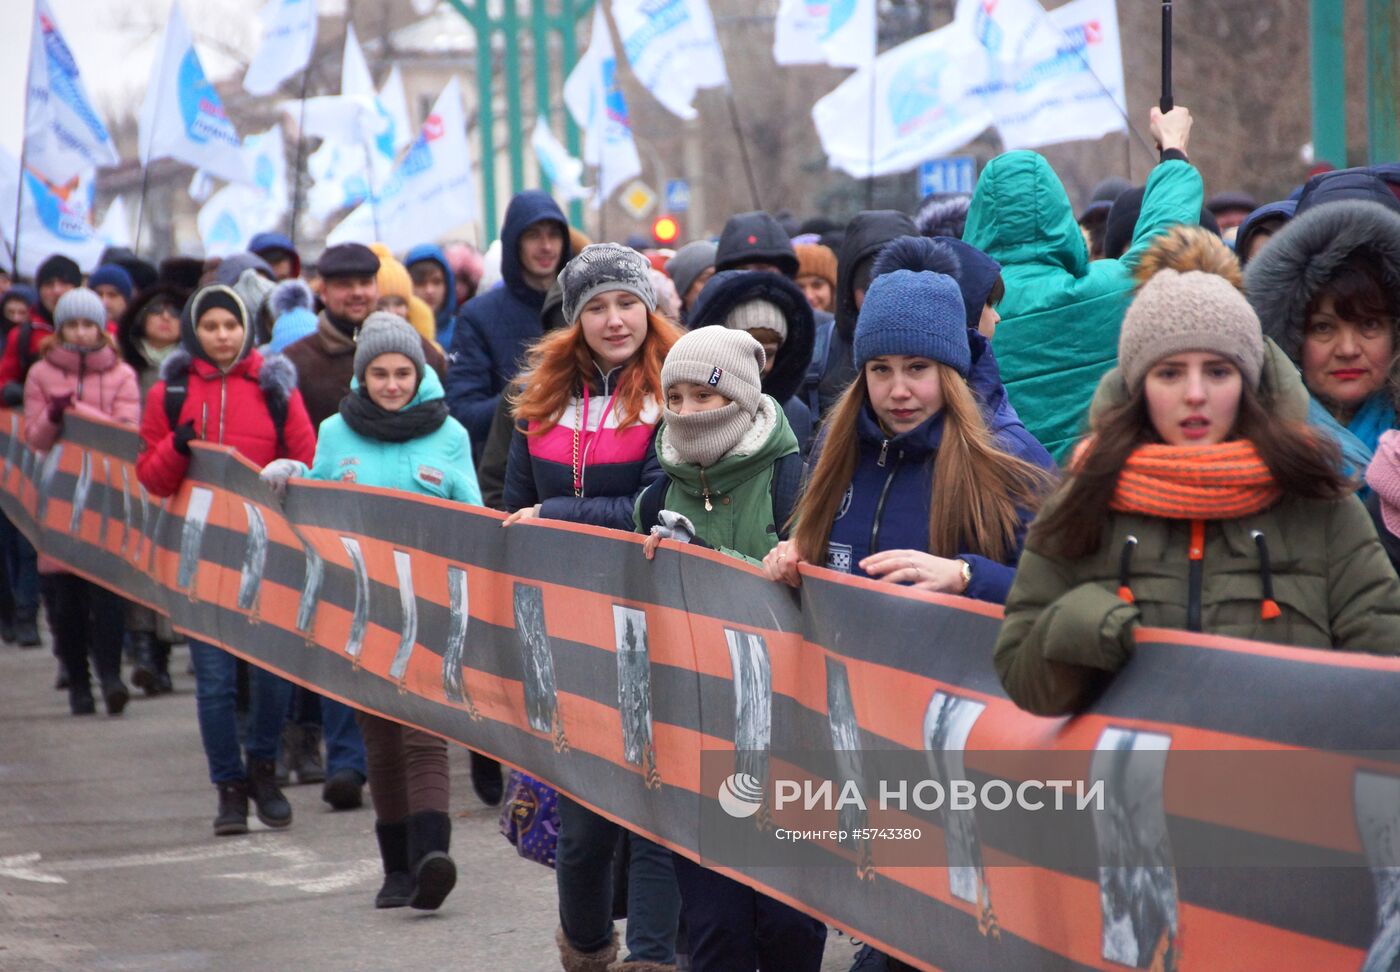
x: 665, y: 230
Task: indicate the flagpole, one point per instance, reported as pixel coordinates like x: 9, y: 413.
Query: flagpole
x: 743, y: 144
x: 23, y: 152
x: 301, y: 151
x: 870, y: 122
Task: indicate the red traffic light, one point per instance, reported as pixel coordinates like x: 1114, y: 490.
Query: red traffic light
x: 665, y: 230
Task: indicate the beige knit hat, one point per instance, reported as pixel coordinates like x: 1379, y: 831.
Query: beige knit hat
x: 730, y: 362
x: 1193, y: 311
x: 754, y: 314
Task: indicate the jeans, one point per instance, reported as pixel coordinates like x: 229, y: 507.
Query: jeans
x: 732, y: 927
x: 583, y: 868
x: 22, y: 566
x: 345, y: 747
x: 215, y: 689
x: 85, y: 619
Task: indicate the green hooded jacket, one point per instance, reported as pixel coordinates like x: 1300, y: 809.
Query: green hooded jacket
x: 740, y: 519
x: 1061, y: 313
x: 1067, y: 631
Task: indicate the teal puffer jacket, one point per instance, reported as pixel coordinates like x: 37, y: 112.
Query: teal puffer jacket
x: 1061, y: 314
x: 437, y: 464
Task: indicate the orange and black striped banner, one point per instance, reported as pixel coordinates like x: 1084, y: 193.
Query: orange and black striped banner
x: 629, y: 684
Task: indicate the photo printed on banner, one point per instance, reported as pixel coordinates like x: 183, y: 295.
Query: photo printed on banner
x: 254, y: 559
x: 105, y: 508
x: 48, y: 471
x: 12, y: 449
x: 753, y: 702
x: 359, y: 620
x: 1137, y: 882
x: 845, y: 745
x: 126, y: 509
x: 634, y: 686
x: 154, y: 524
x: 1378, y: 822
x: 947, y: 724
x: 541, y: 695
x: 452, y: 658
x: 80, y: 493
x: 310, y: 589
x: 408, y: 606
x: 192, y: 538
x: 26, y: 465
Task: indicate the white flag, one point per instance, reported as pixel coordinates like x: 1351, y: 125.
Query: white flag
x: 64, y: 135
x: 841, y: 33
x: 48, y: 222
x: 234, y: 214
x: 116, y: 225
x: 350, y: 116
x: 672, y: 47
x: 919, y: 99
x: 1075, y: 92
x: 288, y: 40
x: 342, y: 170
x: 182, y: 116
x: 593, y: 97
x: 564, y: 171
x: 393, y: 104
x: 430, y: 192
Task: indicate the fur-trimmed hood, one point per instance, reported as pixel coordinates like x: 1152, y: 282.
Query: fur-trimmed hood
x: 1304, y: 255
x: 275, y: 374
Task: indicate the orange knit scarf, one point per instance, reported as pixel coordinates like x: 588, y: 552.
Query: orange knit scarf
x: 1218, y: 482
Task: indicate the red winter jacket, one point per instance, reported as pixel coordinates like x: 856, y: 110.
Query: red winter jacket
x: 230, y: 410
x: 39, y: 330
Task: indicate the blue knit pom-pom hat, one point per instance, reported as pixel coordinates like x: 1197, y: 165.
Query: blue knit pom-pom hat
x: 914, y: 306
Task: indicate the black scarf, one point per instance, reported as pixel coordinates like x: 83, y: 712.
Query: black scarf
x: 369, y: 420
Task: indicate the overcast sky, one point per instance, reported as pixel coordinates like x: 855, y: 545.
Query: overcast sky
x: 115, y: 42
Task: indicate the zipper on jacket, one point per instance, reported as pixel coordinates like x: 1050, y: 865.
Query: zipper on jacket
x: 884, y: 448
x: 223, y: 400
x: 705, y: 491
x: 884, y: 493
x: 1197, y: 554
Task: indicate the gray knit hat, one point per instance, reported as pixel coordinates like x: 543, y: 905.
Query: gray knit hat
x: 754, y: 314
x: 385, y: 333
x: 601, y: 267
x: 689, y: 262
x: 730, y: 362
x: 1193, y: 311
x: 79, y: 304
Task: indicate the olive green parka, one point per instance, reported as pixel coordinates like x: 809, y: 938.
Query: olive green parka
x: 1067, y: 630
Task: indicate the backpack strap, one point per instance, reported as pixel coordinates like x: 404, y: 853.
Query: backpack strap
x: 23, y: 348
x: 785, y: 485
x: 652, y: 502
x: 175, y: 395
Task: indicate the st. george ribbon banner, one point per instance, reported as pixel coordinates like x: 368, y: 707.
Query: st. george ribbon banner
x: 689, y: 699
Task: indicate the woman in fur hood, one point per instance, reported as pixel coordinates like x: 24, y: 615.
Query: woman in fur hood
x: 1327, y: 290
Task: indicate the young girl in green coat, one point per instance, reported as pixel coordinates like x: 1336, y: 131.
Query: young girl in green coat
x: 728, y: 454
x: 1199, y: 501
x: 393, y: 431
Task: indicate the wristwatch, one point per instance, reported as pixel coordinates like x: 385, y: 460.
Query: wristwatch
x: 966, y: 575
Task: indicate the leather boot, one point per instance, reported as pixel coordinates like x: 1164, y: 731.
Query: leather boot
x: 143, y: 671
x: 273, y: 808
x: 233, y: 808
x: 164, y: 685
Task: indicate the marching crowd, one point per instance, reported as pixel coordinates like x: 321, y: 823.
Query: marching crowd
x: 1163, y: 411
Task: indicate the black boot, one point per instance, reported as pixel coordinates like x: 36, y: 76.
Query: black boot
x: 393, y: 851
x: 7, y: 630
x: 486, y: 779
x: 308, y: 765
x: 26, y: 633
x: 162, y: 659
x: 233, y: 808
x: 143, y: 670
x: 287, y: 752
x: 344, y: 790
x: 115, y: 695
x: 80, y: 700
x: 273, y: 808
x: 434, y: 874
x: 61, y: 680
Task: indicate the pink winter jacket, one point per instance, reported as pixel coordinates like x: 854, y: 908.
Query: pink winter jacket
x: 101, y: 384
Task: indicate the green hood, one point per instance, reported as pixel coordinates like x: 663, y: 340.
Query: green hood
x: 770, y: 439
x: 1020, y: 214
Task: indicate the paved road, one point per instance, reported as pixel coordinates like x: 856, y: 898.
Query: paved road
x: 107, y: 859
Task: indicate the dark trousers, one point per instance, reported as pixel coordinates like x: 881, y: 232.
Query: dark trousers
x: 21, y: 566
x: 733, y: 928
x: 345, y: 746
x: 583, y: 869
x: 85, y: 619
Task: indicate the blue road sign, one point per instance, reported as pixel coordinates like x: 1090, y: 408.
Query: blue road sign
x: 677, y: 195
